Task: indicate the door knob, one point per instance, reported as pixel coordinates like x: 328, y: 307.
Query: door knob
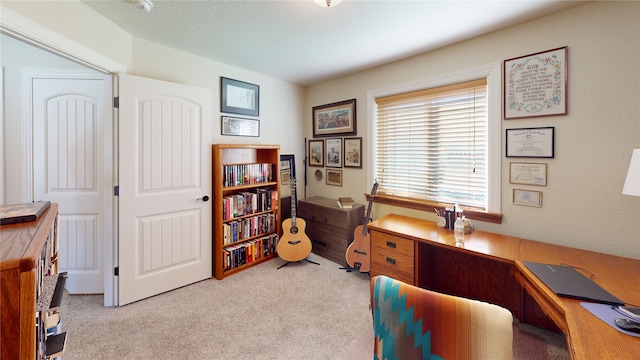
x: 204, y: 198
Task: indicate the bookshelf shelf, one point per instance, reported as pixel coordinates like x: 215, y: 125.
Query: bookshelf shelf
x: 246, y: 206
x: 31, y: 287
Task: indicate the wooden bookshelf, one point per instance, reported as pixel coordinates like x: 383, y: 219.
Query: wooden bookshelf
x: 31, y: 287
x: 249, y: 175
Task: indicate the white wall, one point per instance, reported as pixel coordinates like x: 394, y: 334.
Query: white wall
x: 582, y: 204
x: 14, y: 57
x: 72, y: 19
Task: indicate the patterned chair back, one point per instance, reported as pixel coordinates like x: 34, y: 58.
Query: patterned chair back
x: 414, y: 323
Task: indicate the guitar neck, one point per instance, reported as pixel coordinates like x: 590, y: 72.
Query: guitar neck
x: 293, y: 202
x: 367, y: 217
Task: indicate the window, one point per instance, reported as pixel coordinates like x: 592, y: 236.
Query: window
x: 438, y: 141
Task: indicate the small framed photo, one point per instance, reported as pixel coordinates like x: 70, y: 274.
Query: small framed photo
x: 536, y: 85
x: 333, y: 152
x: 353, y: 152
x: 527, y: 197
x: 287, y: 173
x: 530, y: 142
x: 334, y: 177
x: 240, y: 127
x: 239, y: 97
x: 338, y: 118
x: 528, y: 173
x: 316, y: 153
x: 287, y: 169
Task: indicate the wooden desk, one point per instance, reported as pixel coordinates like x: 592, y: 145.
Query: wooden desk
x: 490, y: 268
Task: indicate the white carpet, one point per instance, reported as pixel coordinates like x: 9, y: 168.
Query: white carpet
x: 301, y: 311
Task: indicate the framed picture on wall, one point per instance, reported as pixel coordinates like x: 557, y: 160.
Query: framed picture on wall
x: 527, y: 197
x: 239, y: 127
x: 528, y: 173
x: 333, y: 119
x: 316, y: 153
x: 287, y: 172
x: 530, y: 142
x: 333, y: 152
x: 536, y: 85
x: 353, y: 152
x: 334, y: 177
x: 239, y: 97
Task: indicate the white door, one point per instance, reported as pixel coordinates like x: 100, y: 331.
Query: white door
x: 72, y: 134
x: 165, y: 135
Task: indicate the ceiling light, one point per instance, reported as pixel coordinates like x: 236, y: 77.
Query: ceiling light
x: 146, y: 5
x: 327, y: 3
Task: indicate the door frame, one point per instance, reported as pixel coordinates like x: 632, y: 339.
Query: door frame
x: 34, y: 34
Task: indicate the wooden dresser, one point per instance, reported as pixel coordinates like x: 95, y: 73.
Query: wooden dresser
x: 31, y: 288
x: 329, y: 227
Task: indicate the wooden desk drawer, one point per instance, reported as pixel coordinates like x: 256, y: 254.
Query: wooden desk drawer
x: 395, y: 244
x: 392, y: 264
x: 392, y: 256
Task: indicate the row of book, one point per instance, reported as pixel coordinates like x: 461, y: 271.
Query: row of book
x: 247, y: 203
x: 237, y: 230
x: 250, y: 251
x: 245, y: 174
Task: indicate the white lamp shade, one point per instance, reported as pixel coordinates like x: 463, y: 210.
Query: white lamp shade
x: 632, y: 183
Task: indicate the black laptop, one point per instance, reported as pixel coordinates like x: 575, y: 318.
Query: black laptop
x: 568, y: 282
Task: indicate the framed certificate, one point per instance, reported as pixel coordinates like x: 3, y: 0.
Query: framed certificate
x: 239, y: 127
x: 239, y: 97
x: 530, y: 142
x: 527, y: 197
x: 528, y: 173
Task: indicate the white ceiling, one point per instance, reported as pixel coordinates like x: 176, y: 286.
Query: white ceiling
x: 300, y: 42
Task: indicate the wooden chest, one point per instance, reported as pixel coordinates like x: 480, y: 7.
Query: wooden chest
x: 329, y: 227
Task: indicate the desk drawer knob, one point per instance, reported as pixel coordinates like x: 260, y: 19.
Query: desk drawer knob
x: 391, y: 260
x: 391, y: 244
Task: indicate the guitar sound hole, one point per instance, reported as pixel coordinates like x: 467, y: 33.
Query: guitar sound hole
x: 294, y: 230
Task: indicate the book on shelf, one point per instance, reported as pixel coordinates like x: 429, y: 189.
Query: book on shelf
x: 11, y: 214
x: 345, y: 203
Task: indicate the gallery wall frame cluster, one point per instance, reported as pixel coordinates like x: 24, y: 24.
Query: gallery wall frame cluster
x: 335, y: 145
x: 535, y: 86
x: 241, y: 98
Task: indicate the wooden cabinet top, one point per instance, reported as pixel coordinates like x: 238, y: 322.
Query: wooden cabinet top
x: 21, y: 243
x: 327, y: 202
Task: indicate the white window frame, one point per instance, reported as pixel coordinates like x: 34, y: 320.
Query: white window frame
x: 493, y: 74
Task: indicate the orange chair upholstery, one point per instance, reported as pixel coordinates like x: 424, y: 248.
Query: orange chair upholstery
x: 414, y: 323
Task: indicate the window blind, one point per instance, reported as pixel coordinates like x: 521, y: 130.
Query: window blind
x: 432, y: 144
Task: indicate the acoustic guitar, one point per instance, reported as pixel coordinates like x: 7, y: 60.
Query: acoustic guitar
x: 358, y: 252
x: 294, y: 245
